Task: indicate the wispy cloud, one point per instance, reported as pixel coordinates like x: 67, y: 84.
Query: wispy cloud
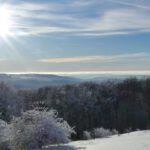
x: 101, y: 58
x: 131, y: 3
x: 88, y: 18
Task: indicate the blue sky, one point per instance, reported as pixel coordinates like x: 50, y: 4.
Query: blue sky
x: 76, y: 36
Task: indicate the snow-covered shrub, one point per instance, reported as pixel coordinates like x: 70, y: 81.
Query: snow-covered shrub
x: 87, y: 135
x: 101, y: 132
x: 137, y: 130
x: 35, y: 129
x: 4, y: 135
x: 128, y: 130
x: 114, y: 132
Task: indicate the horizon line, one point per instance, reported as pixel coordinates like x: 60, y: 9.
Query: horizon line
x: 136, y: 72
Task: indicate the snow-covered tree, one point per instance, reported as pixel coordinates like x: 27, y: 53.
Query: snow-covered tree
x: 10, y: 102
x: 5, y: 133
x: 35, y: 129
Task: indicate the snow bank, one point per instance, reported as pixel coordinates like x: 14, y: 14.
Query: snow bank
x: 139, y: 140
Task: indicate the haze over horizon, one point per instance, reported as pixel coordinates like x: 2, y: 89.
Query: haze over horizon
x: 82, y: 36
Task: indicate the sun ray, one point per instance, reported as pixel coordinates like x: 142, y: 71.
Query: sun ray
x: 5, y: 21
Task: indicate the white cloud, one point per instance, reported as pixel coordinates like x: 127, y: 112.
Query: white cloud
x: 88, y: 18
x: 131, y: 3
x: 119, y: 21
x: 101, y: 58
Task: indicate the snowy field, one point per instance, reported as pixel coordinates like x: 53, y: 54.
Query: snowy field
x: 139, y: 140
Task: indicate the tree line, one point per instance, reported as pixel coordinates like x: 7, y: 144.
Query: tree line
x: 121, y: 105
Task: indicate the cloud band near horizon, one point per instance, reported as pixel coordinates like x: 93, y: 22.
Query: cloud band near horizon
x: 100, y: 58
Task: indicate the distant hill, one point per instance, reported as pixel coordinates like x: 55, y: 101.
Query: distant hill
x: 36, y: 80
x: 105, y: 77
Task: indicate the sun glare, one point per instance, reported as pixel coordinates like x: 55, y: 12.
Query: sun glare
x: 5, y: 21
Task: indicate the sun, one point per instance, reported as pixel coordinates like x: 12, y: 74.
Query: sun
x: 5, y: 22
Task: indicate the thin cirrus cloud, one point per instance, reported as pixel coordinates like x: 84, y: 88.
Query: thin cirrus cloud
x: 132, y: 4
x: 87, y: 18
x: 100, y: 58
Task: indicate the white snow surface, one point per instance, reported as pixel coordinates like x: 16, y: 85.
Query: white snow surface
x: 139, y: 140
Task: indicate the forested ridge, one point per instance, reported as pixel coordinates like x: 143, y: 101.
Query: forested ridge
x: 123, y: 105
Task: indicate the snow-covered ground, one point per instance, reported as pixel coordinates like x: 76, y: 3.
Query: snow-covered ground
x: 139, y: 140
